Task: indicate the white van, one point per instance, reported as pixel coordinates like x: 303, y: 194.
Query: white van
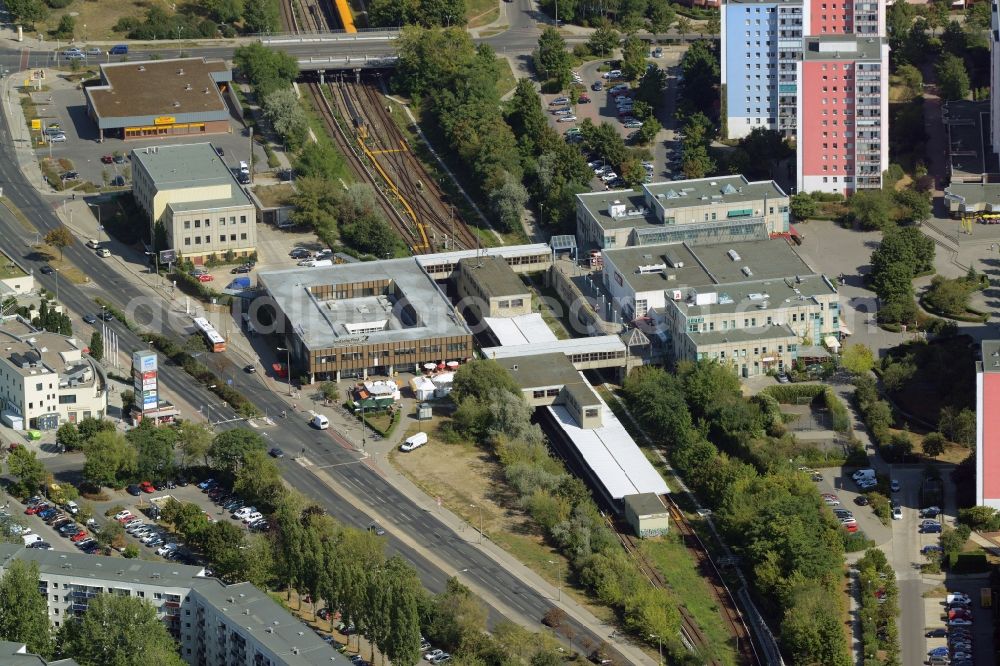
x: 93, y: 245
x: 414, y: 442
x: 30, y: 539
x: 320, y: 422
x: 863, y: 473
x: 244, y: 168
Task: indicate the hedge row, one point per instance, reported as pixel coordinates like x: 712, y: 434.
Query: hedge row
x: 794, y: 393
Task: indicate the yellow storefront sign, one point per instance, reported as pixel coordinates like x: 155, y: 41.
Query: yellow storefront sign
x: 164, y: 120
x: 36, y: 123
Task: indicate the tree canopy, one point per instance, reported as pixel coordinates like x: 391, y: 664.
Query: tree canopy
x: 24, y: 613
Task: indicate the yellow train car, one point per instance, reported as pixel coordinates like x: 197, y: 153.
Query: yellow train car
x: 346, y: 17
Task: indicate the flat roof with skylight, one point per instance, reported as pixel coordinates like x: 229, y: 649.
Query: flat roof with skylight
x: 370, y: 303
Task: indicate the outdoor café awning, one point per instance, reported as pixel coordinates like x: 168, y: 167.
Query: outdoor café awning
x: 832, y: 343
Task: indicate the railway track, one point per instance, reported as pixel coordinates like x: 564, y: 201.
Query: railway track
x: 689, y: 627
x: 344, y: 138
x: 414, y: 182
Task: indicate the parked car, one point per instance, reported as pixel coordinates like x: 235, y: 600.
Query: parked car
x: 147, y: 487
x: 936, y: 633
x: 57, y: 138
x: 931, y: 529
x: 133, y: 490
x: 118, y: 181
x: 897, y: 513
x: 930, y: 512
x: 566, y: 119
x: 300, y: 253
x: 894, y: 486
x: 376, y: 529
x: 275, y: 452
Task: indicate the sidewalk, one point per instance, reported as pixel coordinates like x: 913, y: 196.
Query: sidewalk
x: 375, y: 455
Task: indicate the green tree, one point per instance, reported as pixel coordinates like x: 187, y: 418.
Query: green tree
x: 27, y: 12
x: 329, y: 391
x: 916, y: 206
x: 651, y: 87
x: 97, y: 346
x: 266, y: 69
x: 552, y: 59
x: 696, y: 163
x: 260, y: 16
x: 110, y: 460
x: 230, y: 448
x: 258, y: 481
x: 111, y: 535
x: 24, y: 613
x: 60, y: 237
x: 661, y: 16
x: 118, y: 631
x: 604, y: 40
x: 803, y: 206
x: 507, y: 202
x: 871, y: 209
x: 700, y: 67
x: 477, y: 379
x: 68, y: 437
x: 933, y: 444
x: 194, y: 440
x: 25, y: 466
x: 457, y: 614
x: 373, y: 235
x: 283, y: 111
x: 392, y: 13
x: 66, y: 27
x: 949, y: 297
x: 401, y: 641
x: 958, y: 425
x: 857, y: 359
x: 634, y: 53
x: 224, y: 11
x: 706, y: 383
x: 953, y: 79
x: 89, y: 426
x: 319, y: 161
x: 154, y: 448
x: 911, y: 79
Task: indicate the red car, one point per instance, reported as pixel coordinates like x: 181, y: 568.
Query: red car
x: 583, y: 99
x: 851, y: 527
x: 108, y: 159
x: 32, y: 510
x: 79, y: 536
x: 147, y: 487
x: 205, y: 277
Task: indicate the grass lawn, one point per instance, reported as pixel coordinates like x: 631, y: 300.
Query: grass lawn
x: 95, y: 19
x: 8, y: 269
x: 481, y: 12
x: 544, y: 300
x: 466, y: 479
x: 674, y: 560
x: 507, y: 81
x: 274, y: 195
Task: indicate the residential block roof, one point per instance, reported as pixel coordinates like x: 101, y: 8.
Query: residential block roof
x: 493, y: 275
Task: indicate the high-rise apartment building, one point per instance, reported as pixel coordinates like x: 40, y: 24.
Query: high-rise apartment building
x: 779, y: 59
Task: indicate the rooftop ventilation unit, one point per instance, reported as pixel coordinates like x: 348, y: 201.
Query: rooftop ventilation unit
x: 180, y: 72
x: 733, y: 254
x: 651, y: 268
x: 187, y: 86
x: 142, y: 68
x: 746, y: 271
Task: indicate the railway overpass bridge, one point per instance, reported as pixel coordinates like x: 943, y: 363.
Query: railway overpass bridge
x: 337, y: 50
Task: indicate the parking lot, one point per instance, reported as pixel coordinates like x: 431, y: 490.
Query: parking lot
x: 64, y: 105
x: 603, y: 108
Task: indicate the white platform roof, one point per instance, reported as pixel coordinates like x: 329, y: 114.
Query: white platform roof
x: 612, y: 455
x: 597, y: 343
x: 529, y: 329
x: 505, y: 252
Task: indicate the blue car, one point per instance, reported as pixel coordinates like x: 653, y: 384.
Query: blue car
x: 927, y: 550
x: 938, y: 651
x: 48, y: 513
x: 931, y: 529
x: 206, y: 484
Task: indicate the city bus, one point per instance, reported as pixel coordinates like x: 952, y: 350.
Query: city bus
x: 216, y: 342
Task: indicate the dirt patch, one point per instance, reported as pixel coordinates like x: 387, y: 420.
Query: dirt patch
x: 479, y: 484
x: 94, y: 20
x: 275, y: 195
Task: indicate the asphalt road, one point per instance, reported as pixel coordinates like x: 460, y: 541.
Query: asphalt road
x: 293, y: 435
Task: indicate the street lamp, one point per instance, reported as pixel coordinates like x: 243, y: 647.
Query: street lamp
x: 100, y: 226
x: 288, y: 369
x: 659, y: 644
x: 57, y: 284
x: 558, y: 576
x: 476, y: 506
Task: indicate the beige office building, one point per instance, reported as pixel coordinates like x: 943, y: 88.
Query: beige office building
x: 705, y: 210
x: 191, y: 190
x: 46, y: 379
x: 749, y: 305
x: 488, y: 287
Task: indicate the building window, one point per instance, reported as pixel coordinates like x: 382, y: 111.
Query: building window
x: 232, y: 237
x: 197, y: 224
x: 187, y: 241
x: 197, y: 240
x: 222, y: 238
x: 243, y: 219
x: 222, y: 221
x: 243, y: 236
x: 187, y: 224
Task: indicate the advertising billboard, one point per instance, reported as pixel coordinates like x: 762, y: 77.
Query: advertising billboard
x: 144, y: 361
